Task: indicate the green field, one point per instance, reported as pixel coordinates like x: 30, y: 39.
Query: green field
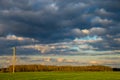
x: 61, y: 76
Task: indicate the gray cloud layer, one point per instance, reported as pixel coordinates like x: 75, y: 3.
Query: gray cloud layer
x: 50, y: 21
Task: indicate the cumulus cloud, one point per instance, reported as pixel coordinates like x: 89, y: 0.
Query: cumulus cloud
x: 88, y: 39
x: 42, y: 48
x: 47, y: 59
x: 102, y: 11
x: 72, y: 47
x: 17, y: 38
x: 91, y: 31
x: 87, y: 47
x: 76, y: 31
x: 52, y: 7
x: 60, y: 59
x: 14, y: 37
x: 47, y: 48
x: 94, y: 62
x: 97, y: 31
x: 70, y: 61
x: 101, y: 21
x: 9, y: 41
x: 85, y: 31
x: 117, y: 39
x: 112, y: 61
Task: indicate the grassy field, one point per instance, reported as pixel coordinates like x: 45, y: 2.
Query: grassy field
x: 61, y: 76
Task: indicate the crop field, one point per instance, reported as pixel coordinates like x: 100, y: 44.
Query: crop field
x: 61, y: 76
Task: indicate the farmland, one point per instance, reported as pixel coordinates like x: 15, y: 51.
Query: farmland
x: 61, y: 76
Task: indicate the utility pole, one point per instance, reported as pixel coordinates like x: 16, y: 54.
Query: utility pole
x: 14, y: 59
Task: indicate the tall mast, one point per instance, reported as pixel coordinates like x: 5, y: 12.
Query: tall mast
x: 14, y: 59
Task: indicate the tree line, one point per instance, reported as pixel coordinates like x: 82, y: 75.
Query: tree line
x: 38, y: 68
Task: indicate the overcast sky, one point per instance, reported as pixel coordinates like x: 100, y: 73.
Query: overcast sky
x: 87, y: 30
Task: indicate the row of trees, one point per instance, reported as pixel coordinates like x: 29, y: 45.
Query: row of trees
x: 35, y: 68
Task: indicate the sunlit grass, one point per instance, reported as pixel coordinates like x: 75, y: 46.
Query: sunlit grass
x: 61, y: 76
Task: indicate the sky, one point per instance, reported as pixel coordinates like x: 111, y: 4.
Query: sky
x: 60, y: 32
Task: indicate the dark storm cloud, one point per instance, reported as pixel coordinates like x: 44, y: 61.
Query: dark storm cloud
x: 59, y: 20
